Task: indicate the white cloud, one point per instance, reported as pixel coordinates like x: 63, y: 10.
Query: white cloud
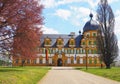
x: 92, y: 3
x: 48, y: 3
x: 117, y: 24
x: 65, y: 14
x: 82, y: 11
x: 80, y: 14
x: 112, y: 1
x: 54, y: 3
x: 63, y: 2
x: 49, y: 30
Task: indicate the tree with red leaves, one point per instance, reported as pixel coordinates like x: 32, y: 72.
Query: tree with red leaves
x: 19, y: 30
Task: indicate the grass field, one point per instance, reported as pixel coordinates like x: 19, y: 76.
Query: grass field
x: 21, y: 75
x: 113, y: 73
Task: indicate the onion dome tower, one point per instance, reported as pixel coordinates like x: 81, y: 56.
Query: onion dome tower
x: 90, y: 25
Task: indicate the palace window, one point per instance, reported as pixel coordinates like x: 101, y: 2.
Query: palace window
x: 59, y: 51
x: 83, y: 43
x: 65, y: 50
x: 80, y: 51
x: 83, y: 51
x: 90, y: 61
x: 90, y: 42
x: 94, y: 42
x: 48, y: 50
x: 23, y: 61
x: 72, y: 42
x: 89, y: 51
x: 62, y: 49
x: 77, y: 51
x: 54, y: 50
x: 60, y: 42
x: 65, y: 61
x: 81, y: 60
x: 51, y: 51
x: 72, y: 61
x: 34, y: 61
x: 94, y: 34
x: 87, y: 34
x: 72, y: 51
x: 68, y: 51
x: 78, y: 61
x: 17, y: 60
x: 95, y: 51
x: 28, y: 61
x: 53, y: 61
x: 40, y: 50
x: 84, y: 61
x: 43, y: 50
x: 95, y: 61
x: 47, y: 42
x: 40, y: 61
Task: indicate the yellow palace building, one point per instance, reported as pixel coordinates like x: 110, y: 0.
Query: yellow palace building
x: 67, y: 50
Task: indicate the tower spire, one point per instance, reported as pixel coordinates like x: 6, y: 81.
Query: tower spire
x: 91, y: 16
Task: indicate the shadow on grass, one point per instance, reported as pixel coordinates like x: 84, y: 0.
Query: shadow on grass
x: 78, y: 68
x: 9, y: 70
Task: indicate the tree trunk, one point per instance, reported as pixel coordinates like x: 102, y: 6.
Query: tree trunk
x: 108, y: 66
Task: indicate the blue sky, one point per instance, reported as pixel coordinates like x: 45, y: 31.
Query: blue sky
x: 65, y: 16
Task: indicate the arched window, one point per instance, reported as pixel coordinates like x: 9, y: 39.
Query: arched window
x: 78, y: 61
x: 84, y: 61
x: 40, y: 61
x: 90, y: 60
x: 17, y: 61
x: 95, y: 60
x: 34, y: 61
x: 28, y: 61
x: 53, y: 61
x: 72, y: 61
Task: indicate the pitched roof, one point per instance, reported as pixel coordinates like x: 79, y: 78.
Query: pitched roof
x: 65, y: 38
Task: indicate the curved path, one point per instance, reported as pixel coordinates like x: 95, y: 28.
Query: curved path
x: 67, y: 75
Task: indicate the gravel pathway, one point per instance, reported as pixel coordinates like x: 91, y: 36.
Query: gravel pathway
x: 67, y: 75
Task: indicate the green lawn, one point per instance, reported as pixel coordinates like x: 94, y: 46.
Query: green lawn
x: 22, y: 75
x: 113, y: 73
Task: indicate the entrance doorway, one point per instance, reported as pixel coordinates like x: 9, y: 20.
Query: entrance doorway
x: 59, y: 62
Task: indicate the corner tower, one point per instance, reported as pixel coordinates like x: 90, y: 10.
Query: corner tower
x: 88, y: 42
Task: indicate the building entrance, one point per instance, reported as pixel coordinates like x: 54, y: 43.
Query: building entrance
x: 59, y: 62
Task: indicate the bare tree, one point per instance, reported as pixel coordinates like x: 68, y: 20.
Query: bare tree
x: 107, y: 41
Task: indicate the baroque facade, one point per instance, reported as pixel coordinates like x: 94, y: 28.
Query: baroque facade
x: 67, y: 50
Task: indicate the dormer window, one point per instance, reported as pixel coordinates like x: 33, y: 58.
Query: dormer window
x: 47, y: 42
x: 72, y: 42
x: 59, y: 42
